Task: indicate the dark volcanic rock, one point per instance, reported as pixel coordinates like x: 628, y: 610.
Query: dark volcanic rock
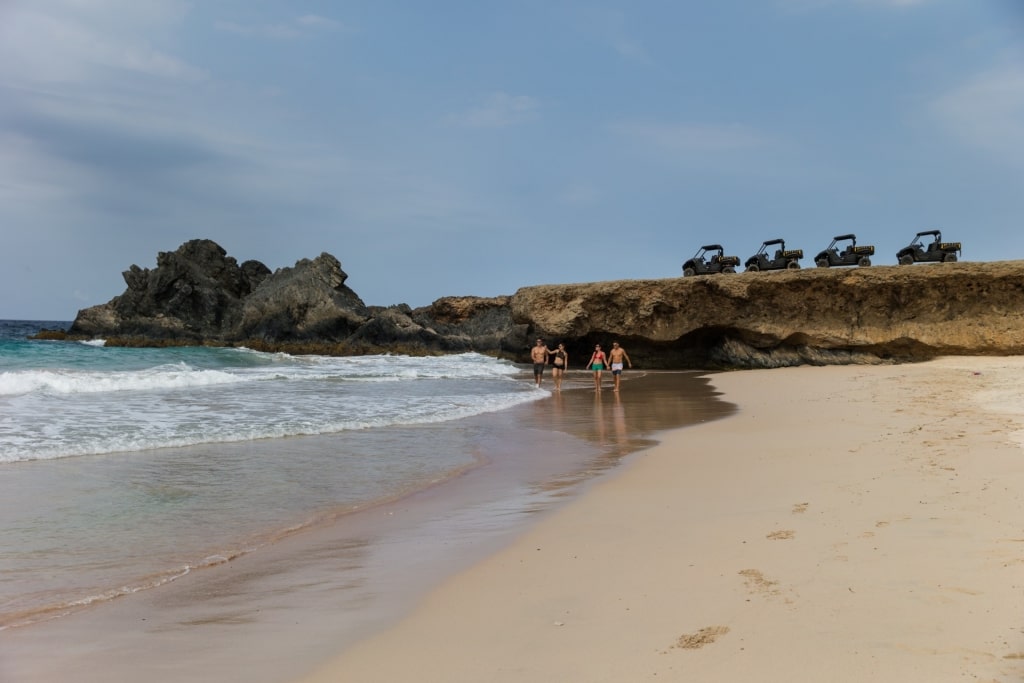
x: 483, y: 323
x: 307, y: 302
x: 195, y: 293
x: 198, y: 294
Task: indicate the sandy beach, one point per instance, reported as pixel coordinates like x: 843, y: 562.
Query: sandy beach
x: 847, y: 524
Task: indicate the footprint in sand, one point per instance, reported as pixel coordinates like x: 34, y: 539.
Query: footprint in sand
x: 781, y: 535
x: 800, y: 507
x: 705, y: 636
x: 758, y: 583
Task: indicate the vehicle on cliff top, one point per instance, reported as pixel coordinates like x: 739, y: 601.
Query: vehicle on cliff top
x: 850, y: 255
x: 784, y: 259
x: 936, y: 249
x: 702, y: 264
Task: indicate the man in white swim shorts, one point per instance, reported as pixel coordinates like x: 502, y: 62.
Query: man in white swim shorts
x: 616, y: 356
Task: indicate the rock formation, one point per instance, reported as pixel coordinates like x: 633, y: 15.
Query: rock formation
x: 198, y: 294
x: 810, y: 316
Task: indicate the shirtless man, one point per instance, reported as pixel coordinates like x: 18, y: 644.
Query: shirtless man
x: 539, y: 355
x: 615, y: 357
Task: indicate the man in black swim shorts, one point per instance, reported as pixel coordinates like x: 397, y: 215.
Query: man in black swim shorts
x: 539, y: 355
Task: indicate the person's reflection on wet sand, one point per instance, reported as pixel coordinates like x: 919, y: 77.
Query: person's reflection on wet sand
x: 600, y: 426
x: 619, y: 423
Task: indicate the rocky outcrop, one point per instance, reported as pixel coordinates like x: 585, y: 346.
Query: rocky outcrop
x: 309, y: 301
x: 198, y: 294
x: 193, y: 293
x: 809, y: 316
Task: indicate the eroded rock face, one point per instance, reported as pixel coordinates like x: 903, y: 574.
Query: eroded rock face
x: 809, y: 316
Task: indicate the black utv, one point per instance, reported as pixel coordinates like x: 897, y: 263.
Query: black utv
x: 782, y: 260
x: 935, y: 250
x: 850, y: 255
x: 701, y: 264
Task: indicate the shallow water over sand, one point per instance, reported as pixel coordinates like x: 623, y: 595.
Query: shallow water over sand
x: 269, y: 614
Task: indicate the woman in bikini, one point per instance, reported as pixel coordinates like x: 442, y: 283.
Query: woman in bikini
x: 598, y: 362
x: 561, y: 363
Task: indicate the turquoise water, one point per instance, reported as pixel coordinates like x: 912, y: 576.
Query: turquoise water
x: 123, y: 469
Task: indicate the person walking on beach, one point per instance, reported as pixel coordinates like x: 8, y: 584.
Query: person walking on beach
x: 597, y: 363
x: 561, y: 364
x: 539, y: 355
x: 616, y: 356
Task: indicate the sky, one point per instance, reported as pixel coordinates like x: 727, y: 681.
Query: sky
x: 473, y: 147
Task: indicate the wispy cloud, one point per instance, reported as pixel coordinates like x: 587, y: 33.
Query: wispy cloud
x: 610, y: 28
x: 987, y: 113
x: 499, y: 110
x: 285, y: 30
x: 805, y: 5
x: 692, y: 137
x: 78, y: 49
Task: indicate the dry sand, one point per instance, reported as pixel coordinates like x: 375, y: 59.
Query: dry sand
x: 848, y: 524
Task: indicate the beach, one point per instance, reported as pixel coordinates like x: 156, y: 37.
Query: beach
x: 350, y: 568
x: 843, y: 523
x: 855, y: 523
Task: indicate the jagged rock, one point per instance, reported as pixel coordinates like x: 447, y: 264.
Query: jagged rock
x: 309, y: 301
x: 194, y: 293
x: 485, y: 324
x: 199, y: 294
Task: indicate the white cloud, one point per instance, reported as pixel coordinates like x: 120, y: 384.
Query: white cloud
x: 287, y: 30
x: 578, y: 194
x: 987, y: 113
x: 609, y: 27
x: 693, y: 137
x: 500, y: 110
x: 317, y: 21
x: 81, y: 49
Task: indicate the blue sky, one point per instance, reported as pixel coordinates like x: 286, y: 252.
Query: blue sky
x: 472, y: 148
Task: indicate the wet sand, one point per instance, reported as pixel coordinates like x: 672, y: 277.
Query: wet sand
x: 277, y: 613
x: 848, y: 524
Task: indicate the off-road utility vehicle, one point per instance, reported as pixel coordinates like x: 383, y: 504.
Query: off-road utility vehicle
x: 851, y: 255
x: 783, y: 259
x: 936, y: 250
x: 700, y: 264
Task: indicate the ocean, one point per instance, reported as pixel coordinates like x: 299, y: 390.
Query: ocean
x: 126, y: 472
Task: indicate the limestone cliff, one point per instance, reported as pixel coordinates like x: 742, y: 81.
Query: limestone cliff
x: 769, y: 319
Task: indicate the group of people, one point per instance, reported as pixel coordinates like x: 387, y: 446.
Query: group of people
x: 614, y: 360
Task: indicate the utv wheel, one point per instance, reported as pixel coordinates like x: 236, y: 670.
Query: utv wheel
x: 689, y: 272
x: 821, y: 263
x: 906, y: 260
x: 793, y: 265
x: 950, y: 258
x: 864, y: 262
x: 728, y: 269
x: 753, y: 268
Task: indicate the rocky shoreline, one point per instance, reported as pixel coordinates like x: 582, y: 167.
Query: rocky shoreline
x: 198, y: 295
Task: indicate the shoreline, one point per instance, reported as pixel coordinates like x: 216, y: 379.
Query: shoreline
x: 849, y: 523
x: 270, y: 614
